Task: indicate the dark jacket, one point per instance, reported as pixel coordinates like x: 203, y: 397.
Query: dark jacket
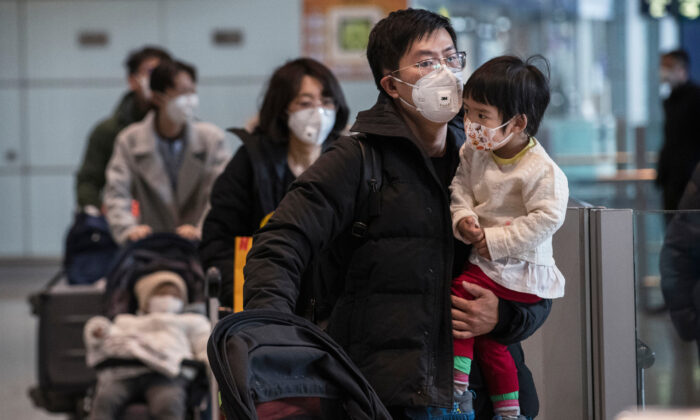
x: 681, y: 149
x: 680, y: 264
x: 250, y: 188
x: 91, y: 178
x: 393, y: 314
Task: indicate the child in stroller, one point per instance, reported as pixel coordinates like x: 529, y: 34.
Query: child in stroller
x: 159, y: 336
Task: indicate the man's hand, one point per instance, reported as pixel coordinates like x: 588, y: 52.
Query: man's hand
x: 189, y: 232
x: 470, y: 230
x: 471, y: 318
x: 139, y: 232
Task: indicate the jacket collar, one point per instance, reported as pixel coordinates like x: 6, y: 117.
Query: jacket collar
x: 148, y: 145
x: 152, y: 167
x: 384, y: 120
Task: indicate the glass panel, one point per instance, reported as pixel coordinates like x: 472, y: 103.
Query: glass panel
x: 667, y: 283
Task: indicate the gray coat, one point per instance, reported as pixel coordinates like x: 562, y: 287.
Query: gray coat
x: 137, y: 171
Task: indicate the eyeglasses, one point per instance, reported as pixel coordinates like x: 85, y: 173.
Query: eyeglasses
x: 455, y: 61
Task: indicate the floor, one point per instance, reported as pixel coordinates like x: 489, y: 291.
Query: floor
x: 18, y: 332
x: 673, y: 380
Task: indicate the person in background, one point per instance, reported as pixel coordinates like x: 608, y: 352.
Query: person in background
x: 303, y: 111
x: 394, y: 315
x: 679, y: 264
x: 167, y: 162
x: 160, y: 336
x: 133, y: 106
x: 681, y: 148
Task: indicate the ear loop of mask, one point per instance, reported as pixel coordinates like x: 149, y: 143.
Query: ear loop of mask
x: 402, y: 99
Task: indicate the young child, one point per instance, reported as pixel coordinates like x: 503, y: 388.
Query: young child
x: 508, y: 199
x: 160, y: 336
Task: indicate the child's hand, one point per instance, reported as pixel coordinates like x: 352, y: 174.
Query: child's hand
x: 98, y: 332
x: 482, y: 248
x: 470, y: 230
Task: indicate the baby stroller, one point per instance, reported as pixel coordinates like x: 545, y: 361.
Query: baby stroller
x: 65, y: 381
x: 271, y: 366
x: 159, y: 252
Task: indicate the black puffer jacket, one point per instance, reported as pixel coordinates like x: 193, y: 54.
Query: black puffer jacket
x: 393, y: 311
x: 250, y: 187
x: 680, y: 263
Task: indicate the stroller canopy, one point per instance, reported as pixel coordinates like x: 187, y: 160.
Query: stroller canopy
x: 261, y: 356
x: 160, y: 251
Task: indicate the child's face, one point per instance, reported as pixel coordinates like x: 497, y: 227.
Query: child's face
x: 166, y: 298
x: 486, y: 115
x: 484, y: 127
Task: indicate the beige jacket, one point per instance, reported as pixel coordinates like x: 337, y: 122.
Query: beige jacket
x: 137, y: 171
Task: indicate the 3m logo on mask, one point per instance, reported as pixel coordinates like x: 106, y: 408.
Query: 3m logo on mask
x: 444, y: 99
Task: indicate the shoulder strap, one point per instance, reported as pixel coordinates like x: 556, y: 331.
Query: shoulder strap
x: 368, y: 203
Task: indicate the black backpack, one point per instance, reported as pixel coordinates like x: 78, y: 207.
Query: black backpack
x: 316, y: 301
x: 264, y: 357
x: 89, y: 249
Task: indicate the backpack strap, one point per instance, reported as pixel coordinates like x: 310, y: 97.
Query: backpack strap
x: 369, y: 199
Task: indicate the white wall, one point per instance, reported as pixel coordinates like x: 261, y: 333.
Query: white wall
x: 53, y: 91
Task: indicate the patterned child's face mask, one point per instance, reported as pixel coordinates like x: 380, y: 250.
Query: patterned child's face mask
x: 480, y: 137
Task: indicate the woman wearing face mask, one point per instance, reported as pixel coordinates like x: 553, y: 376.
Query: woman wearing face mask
x: 160, y: 336
x: 167, y: 162
x: 303, y: 111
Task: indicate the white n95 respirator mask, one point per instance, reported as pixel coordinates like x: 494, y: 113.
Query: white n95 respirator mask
x: 437, y: 96
x: 312, y: 125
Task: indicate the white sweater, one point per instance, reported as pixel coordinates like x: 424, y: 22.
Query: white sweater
x: 519, y: 206
x: 160, y: 340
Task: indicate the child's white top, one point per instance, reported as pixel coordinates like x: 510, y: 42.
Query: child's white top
x: 519, y: 203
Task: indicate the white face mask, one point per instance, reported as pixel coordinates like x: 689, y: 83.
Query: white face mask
x: 165, y: 304
x: 437, y: 96
x: 183, y: 108
x: 480, y: 137
x: 312, y: 125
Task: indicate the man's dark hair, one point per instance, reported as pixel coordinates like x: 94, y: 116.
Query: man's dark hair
x: 284, y: 86
x: 163, y: 76
x: 392, y: 36
x: 680, y: 56
x: 514, y: 87
x: 135, y: 58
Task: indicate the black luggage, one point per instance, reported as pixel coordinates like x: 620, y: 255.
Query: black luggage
x: 263, y: 357
x: 63, y: 375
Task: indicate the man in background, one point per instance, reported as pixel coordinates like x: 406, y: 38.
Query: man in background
x: 132, y: 108
x: 681, y: 149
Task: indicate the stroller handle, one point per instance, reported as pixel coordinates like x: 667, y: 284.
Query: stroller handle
x: 212, y: 282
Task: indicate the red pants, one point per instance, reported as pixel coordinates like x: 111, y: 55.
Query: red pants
x: 494, y: 358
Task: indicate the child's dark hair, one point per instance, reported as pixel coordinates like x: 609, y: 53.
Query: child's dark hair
x: 392, y: 36
x: 514, y: 87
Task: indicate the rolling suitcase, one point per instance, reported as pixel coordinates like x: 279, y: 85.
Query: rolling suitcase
x: 63, y: 375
